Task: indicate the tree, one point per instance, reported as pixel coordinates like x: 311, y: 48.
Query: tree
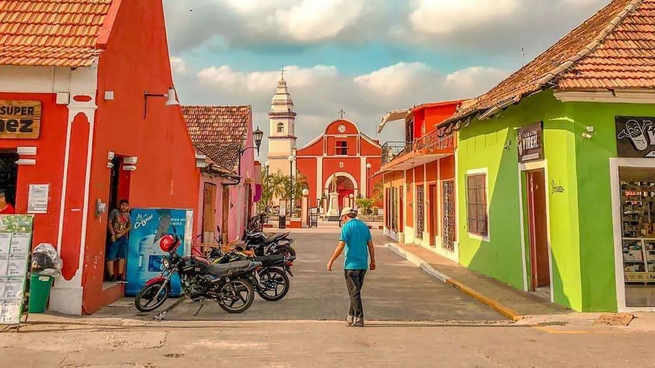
x: 365, y: 205
x: 378, y: 192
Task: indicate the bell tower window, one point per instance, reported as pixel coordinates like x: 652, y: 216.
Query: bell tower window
x: 280, y: 128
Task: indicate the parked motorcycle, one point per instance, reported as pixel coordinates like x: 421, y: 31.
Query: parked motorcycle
x: 263, y: 245
x: 228, y: 284
x: 270, y: 281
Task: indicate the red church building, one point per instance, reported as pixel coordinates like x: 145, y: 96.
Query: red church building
x: 344, y: 156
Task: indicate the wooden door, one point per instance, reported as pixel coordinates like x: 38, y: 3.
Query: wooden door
x: 433, y: 217
x: 209, y: 212
x: 538, y: 228
x: 226, y: 215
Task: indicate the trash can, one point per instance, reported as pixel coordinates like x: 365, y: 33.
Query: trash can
x: 39, y: 292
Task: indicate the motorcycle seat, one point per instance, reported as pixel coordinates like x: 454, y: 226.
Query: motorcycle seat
x: 270, y: 260
x: 274, y: 238
x: 225, y: 269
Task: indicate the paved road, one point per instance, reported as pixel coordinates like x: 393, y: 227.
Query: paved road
x: 396, y: 291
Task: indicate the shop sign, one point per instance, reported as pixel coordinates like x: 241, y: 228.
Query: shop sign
x: 635, y: 136
x: 530, y: 142
x: 20, y: 119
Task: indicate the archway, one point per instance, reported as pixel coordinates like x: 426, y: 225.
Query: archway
x: 344, y: 184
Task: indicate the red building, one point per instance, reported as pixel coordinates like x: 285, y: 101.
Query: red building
x: 84, y: 70
x: 343, y: 153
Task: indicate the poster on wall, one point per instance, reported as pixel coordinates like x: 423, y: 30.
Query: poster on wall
x: 635, y: 136
x: 20, y: 119
x: 144, y: 258
x: 37, y: 201
x: 15, y: 250
x: 530, y: 142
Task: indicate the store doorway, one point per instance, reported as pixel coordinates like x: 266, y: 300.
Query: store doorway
x: 209, y: 213
x: 538, y: 230
x: 119, y: 189
x: 637, y: 196
x: 9, y: 174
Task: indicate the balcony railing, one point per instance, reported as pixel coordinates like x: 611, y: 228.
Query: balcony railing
x: 395, y: 149
x: 392, y: 150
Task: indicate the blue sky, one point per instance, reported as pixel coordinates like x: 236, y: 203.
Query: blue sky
x: 365, y: 56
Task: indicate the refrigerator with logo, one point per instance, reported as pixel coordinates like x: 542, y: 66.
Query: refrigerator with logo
x: 144, y: 259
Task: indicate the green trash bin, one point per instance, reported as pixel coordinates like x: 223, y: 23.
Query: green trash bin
x: 39, y: 293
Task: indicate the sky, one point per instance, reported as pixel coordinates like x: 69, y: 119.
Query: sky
x: 364, y: 56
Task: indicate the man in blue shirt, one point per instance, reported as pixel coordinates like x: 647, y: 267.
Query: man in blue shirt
x: 358, y: 244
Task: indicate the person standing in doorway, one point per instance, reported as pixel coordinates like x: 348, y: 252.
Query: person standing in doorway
x: 5, y: 207
x: 358, y: 245
x: 119, y: 228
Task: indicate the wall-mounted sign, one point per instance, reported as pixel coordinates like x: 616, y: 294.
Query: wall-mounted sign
x: 530, y: 142
x: 635, y: 136
x: 37, y: 201
x: 20, y: 119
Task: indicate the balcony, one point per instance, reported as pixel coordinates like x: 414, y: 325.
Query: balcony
x: 405, y: 155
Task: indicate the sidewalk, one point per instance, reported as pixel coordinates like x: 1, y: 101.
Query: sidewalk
x: 512, y: 303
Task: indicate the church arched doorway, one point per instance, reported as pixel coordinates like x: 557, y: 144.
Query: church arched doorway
x: 344, y: 185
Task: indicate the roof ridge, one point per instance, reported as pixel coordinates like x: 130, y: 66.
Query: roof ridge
x: 593, y: 45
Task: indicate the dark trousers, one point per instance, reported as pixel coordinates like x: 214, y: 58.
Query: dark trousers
x: 354, y: 282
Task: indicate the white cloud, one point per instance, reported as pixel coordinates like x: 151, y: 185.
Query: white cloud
x: 179, y: 65
x: 313, y: 20
x: 319, y: 92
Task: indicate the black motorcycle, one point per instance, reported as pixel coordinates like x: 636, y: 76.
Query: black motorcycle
x: 228, y: 284
x: 270, y: 281
x: 263, y: 245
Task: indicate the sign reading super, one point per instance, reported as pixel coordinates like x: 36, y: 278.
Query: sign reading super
x: 20, y: 119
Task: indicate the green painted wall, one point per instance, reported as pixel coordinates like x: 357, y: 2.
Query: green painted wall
x: 483, y: 144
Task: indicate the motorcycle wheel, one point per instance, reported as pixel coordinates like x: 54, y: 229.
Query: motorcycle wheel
x: 286, y: 250
x: 148, y: 293
x: 236, y: 296
x: 271, y: 279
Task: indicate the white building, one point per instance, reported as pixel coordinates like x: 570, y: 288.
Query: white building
x: 282, y: 137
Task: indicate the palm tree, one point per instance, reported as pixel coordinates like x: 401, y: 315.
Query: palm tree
x: 378, y: 192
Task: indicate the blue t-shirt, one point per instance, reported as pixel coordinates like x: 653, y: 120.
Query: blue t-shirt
x: 356, y: 235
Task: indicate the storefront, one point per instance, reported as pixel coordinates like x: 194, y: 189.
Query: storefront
x: 83, y: 127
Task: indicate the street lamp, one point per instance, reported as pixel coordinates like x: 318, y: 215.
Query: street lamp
x: 258, y: 135
x: 292, y: 158
x: 268, y: 163
x: 368, y: 180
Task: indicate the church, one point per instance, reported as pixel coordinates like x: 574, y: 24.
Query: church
x: 340, y: 161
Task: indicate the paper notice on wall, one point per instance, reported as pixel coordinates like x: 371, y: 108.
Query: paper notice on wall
x: 4, y: 263
x: 5, y: 241
x: 20, y: 244
x: 17, y: 266
x: 14, y: 289
x: 10, y: 313
x: 38, y: 198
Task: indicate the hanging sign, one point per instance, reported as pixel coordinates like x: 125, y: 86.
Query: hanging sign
x: 635, y: 136
x: 20, y: 119
x: 530, y: 142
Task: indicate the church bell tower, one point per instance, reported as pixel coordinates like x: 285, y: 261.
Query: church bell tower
x: 282, y: 136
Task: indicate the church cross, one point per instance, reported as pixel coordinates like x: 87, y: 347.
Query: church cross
x: 342, y: 112
x: 283, y: 70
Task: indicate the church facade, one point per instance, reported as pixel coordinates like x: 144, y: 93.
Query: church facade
x: 341, y: 160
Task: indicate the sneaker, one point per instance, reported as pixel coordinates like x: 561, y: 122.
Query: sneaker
x: 349, y: 321
x: 359, y: 322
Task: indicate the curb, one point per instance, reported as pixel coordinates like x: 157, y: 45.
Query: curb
x: 420, y: 263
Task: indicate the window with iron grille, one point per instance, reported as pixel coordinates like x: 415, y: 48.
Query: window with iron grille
x: 420, y: 211
x: 476, y: 204
x: 342, y: 148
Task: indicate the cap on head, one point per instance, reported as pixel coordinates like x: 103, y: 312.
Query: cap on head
x: 347, y: 211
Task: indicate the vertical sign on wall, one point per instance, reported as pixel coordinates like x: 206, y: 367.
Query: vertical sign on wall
x: 530, y: 142
x: 15, y: 249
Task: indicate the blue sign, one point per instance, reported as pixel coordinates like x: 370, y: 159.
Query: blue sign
x: 144, y: 259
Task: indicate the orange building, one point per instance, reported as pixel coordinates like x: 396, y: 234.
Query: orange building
x: 342, y: 155
x: 95, y: 77
x: 418, y: 175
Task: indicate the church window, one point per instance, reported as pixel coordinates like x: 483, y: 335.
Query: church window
x: 342, y: 148
x: 280, y: 128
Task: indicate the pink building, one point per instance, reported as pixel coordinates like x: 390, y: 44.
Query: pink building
x: 220, y: 135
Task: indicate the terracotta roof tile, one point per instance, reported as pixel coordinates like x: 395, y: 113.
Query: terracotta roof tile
x: 614, y: 49
x: 218, y: 131
x: 51, y: 32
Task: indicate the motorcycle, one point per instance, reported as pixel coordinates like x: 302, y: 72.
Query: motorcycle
x: 263, y: 245
x: 269, y: 278
x: 228, y: 284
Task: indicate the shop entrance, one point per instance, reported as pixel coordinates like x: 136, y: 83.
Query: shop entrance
x: 538, y: 230
x: 637, y: 197
x: 209, y: 213
x: 119, y: 189
x: 9, y: 174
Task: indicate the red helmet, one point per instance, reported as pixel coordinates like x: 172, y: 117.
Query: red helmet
x: 168, y: 243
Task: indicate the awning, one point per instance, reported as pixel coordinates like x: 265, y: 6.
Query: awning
x: 393, y: 116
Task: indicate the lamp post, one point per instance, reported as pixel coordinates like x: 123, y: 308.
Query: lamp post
x: 267, y: 165
x: 368, y: 180
x: 292, y: 158
x: 258, y: 136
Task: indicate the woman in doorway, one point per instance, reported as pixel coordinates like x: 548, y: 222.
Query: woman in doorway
x: 5, y: 207
x: 119, y: 228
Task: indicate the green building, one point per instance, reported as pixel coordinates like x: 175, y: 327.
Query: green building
x: 556, y: 168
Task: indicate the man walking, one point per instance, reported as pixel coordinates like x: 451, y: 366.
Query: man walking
x: 119, y: 227
x: 358, y: 244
